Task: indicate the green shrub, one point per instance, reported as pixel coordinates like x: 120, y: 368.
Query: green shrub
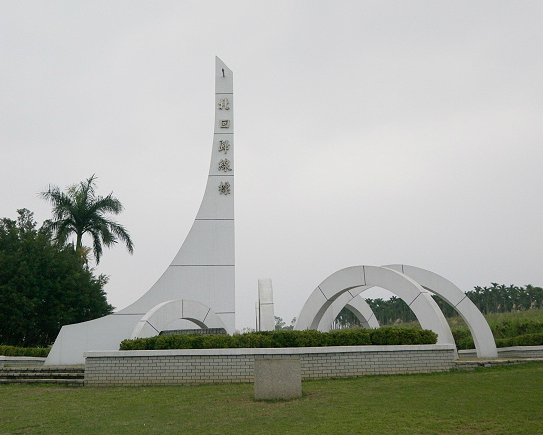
x: 353, y: 337
x: 528, y: 340
x: 274, y: 339
x: 504, y: 327
x: 521, y: 340
x: 502, y: 342
x: 510, y: 328
x: 463, y: 338
x: 385, y: 336
x: 427, y: 336
x: 24, y: 351
x: 397, y: 336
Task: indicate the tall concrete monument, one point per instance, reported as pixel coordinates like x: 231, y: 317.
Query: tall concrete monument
x: 199, y: 284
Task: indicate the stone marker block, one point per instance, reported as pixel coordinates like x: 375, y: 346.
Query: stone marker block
x: 277, y: 378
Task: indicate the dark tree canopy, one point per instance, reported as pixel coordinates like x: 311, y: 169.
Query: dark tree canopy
x: 43, y: 285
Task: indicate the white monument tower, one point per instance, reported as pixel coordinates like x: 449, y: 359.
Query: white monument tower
x: 199, y: 284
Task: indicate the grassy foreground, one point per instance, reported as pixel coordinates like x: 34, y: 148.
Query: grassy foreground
x: 502, y: 400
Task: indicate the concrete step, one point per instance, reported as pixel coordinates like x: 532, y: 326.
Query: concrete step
x: 33, y: 375
x: 72, y: 376
x: 63, y: 382
x: 52, y: 369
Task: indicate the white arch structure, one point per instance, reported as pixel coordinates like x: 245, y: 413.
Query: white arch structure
x: 361, y: 278
x: 450, y: 293
x: 481, y: 333
x: 164, y: 313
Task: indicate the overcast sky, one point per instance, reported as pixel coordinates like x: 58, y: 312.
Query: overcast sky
x: 367, y: 132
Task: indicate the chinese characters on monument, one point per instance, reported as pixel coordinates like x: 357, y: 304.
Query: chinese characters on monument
x: 224, y: 104
x: 224, y: 188
x: 224, y: 146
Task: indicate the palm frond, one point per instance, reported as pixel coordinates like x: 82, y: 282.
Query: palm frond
x: 79, y: 211
x: 96, y: 245
x: 123, y: 235
x: 109, y: 204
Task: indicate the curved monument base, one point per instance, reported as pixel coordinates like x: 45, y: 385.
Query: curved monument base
x: 159, y: 317
x: 105, y: 333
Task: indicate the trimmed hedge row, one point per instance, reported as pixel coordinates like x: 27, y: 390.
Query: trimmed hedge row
x: 464, y: 340
x: 503, y: 331
x: 514, y: 328
x: 267, y: 339
x: 24, y: 351
x: 521, y: 340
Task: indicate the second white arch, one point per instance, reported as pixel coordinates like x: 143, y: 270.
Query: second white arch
x: 353, y: 280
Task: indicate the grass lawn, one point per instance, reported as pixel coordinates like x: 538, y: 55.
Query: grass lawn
x: 501, y: 400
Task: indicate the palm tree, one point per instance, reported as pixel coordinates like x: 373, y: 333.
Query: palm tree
x: 79, y: 211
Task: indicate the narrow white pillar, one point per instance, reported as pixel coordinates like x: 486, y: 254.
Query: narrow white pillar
x: 265, y: 314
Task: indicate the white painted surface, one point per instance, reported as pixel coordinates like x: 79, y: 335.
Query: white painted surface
x: 265, y: 311
x: 202, y: 270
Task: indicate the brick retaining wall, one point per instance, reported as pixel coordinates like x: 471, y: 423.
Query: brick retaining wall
x: 198, y: 366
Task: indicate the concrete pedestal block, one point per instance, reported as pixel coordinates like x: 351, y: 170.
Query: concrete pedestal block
x: 278, y: 378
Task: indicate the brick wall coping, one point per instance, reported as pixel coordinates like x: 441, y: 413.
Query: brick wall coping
x: 266, y: 351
